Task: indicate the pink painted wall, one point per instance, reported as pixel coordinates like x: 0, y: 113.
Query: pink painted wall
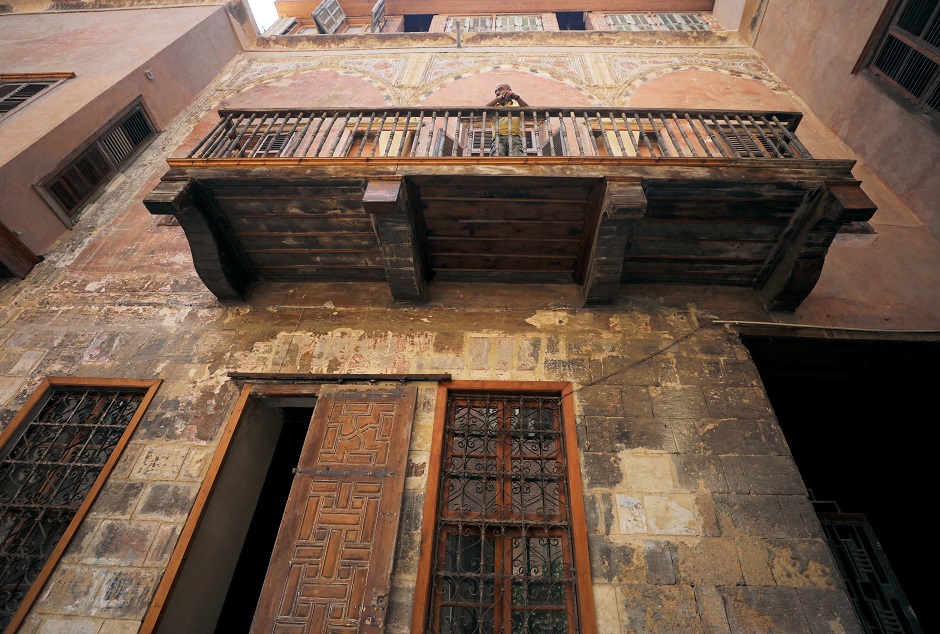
x: 897, y: 142
x: 109, y: 51
x: 477, y: 89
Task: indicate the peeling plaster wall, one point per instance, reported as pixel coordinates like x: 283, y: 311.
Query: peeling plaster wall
x: 698, y: 519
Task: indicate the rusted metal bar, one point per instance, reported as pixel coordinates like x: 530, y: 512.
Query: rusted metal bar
x: 698, y: 135
x: 404, y: 134
x: 417, y: 137
x: 629, y: 128
x: 672, y: 139
x: 365, y: 135
x: 711, y: 134
x: 378, y: 134
x: 688, y: 143
x: 577, y: 133
x: 210, y: 138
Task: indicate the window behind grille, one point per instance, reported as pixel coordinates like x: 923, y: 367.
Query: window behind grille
x: 83, y: 177
x: 906, y: 52
x: 504, y: 553
x: 55, y: 456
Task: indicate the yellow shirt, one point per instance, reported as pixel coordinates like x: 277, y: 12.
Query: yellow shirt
x: 502, y: 127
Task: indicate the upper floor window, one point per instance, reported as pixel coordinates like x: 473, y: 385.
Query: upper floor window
x: 72, y: 186
x: 904, y: 51
x: 505, y: 23
x: 656, y: 22
x: 18, y: 90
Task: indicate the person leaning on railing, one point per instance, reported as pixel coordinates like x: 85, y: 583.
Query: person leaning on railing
x: 507, y: 131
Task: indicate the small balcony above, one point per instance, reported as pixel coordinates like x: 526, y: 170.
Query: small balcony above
x: 595, y: 197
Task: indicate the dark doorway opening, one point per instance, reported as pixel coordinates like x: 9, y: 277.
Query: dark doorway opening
x: 570, y: 20
x: 245, y: 588
x: 418, y: 23
x: 857, y: 415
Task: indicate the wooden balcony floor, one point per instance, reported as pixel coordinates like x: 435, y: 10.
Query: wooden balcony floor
x: 766, y: 226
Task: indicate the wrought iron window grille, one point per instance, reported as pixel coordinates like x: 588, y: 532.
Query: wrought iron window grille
x: 503, y: 557
x: 54, y: 458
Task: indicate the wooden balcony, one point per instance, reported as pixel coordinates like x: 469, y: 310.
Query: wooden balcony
x: 594, y: 197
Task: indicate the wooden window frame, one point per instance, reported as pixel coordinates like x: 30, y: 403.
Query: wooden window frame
x: 35, y: 401
x: 886, y: 28
x: 584, y: 596
x: 50, y: 79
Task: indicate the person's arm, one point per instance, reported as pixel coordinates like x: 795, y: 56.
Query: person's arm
x: 494, y: 102
x: 522, y: 102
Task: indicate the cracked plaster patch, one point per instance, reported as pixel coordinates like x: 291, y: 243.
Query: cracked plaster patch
x: 548, y: 319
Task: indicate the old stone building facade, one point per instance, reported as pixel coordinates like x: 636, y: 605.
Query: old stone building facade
x: 234, y: 305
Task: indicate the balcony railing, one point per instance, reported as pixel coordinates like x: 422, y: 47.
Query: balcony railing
x: 472, y: 132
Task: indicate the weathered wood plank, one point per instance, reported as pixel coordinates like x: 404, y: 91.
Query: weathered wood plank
x: 291, y: 206
x: 706, y: 230
x: 299, y: 224
x: 548, y: 262
x: 498, y: 229
x: 265, y: 259
x: 503, y: 246
x: 511, y: 277
x: 323, y: 274
x: 310, y: 242
x: 665, y: 248
x: 520, y: 210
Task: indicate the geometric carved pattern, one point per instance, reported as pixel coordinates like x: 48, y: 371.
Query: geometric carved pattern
x: 357, y: 433
x: 331, y: 566
x: 330, y: 563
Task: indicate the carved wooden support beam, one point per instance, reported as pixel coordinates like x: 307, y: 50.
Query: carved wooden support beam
x: 622, y: 204
x: 218, y: 261
x: 811, y: 232
x: 390, y: 202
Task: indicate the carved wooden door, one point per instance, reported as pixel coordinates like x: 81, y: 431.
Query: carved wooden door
x: 335, y: 547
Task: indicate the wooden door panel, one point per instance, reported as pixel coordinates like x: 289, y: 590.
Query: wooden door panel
x: 334, y: 552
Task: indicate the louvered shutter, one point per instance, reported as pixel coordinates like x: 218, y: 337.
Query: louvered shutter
x: 378, y: 15
x: 83, y: 177
x: 332, y: 561
x: 282, y: 27
x: 12, y: 95
x: 680, y: 22
x: 555, y: 146
x: 481, y: 24
x: 274, y: 144
x: 446, y: 146
x: 329, y: 16
x: 631, y: 22
x: 518, y: 23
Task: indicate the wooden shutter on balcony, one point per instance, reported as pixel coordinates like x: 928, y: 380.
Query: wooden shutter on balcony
x: 378, y: 16
x: 334, y: 552
x: 329, y: 16
x: 631, y: 22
